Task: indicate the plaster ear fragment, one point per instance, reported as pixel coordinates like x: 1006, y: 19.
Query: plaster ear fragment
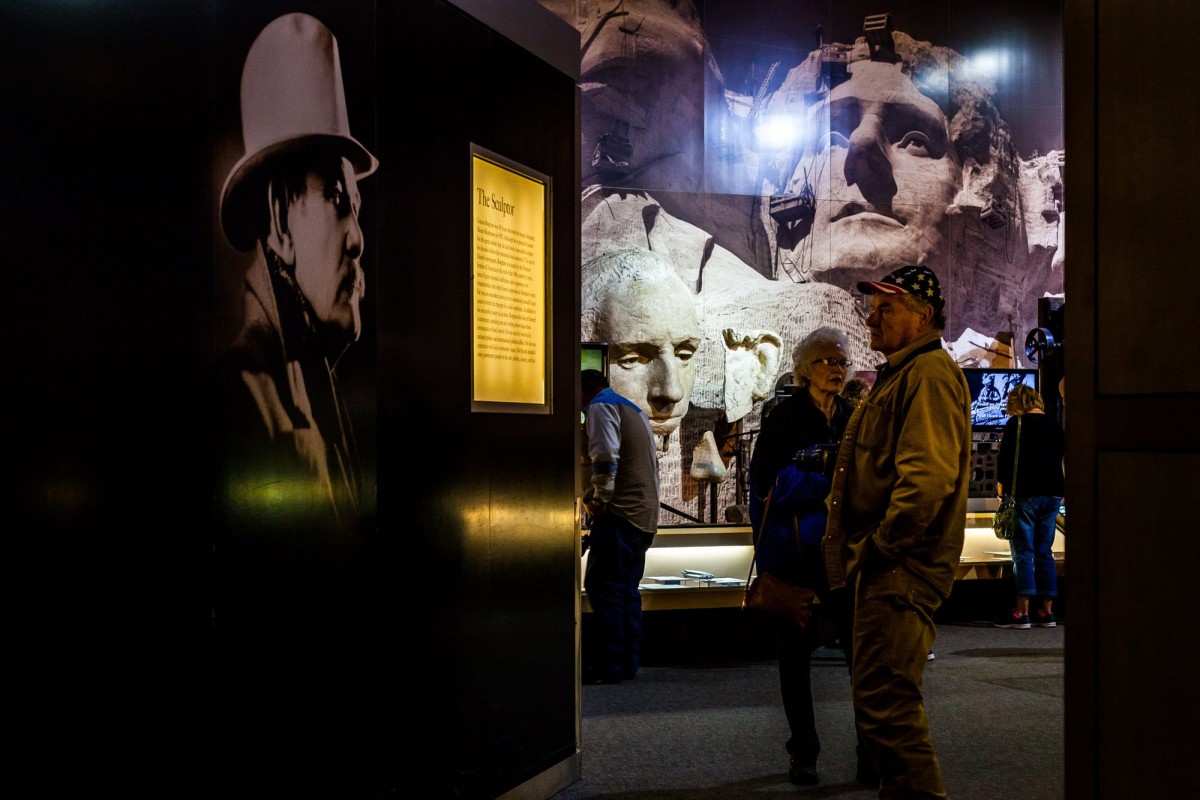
x: 751, y: 364
x: 707, y: 466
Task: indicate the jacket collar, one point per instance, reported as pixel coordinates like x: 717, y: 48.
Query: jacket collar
x: 925, y: 343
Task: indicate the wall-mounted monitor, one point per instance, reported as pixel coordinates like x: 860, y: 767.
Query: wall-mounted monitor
x: 594, y: 355
x: 989, y: 392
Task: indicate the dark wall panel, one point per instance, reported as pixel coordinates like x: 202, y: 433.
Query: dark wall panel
x: 108, y: 299
x: 1145, y: 199
x: 1131, y: 436
x: 476, y: 509
x: 1132, y: 566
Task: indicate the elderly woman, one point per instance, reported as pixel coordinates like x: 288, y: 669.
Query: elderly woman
x: 789, y: 481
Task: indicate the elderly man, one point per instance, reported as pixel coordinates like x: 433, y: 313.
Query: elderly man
x: 897, y: 516
x: 293, y: 199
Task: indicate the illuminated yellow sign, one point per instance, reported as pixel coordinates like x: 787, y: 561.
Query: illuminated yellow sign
x: 509, y: 314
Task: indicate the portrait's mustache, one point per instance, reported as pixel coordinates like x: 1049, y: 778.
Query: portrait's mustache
x: 355, y: 282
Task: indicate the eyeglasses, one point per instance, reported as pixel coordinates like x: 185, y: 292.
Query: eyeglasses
x: 833, y: 362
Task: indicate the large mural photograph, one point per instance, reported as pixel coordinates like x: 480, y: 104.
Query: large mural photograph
x: 294, y: 396
x: 775, y: 154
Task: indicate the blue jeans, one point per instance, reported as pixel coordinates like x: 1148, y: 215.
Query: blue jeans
x: 616, y: 561
x: 1032, y: 547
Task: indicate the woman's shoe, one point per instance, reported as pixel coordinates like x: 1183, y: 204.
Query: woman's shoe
x: 1042, y: 619
x: 802, y: 774
x: 1012, y: 619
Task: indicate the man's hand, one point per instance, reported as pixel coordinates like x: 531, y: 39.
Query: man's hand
x: 604, y: 485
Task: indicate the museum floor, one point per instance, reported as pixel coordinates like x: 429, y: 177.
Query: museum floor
x: 697, y: 728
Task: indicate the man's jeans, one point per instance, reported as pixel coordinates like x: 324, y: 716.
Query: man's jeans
x: 893, y: 634
x: 616, y: 561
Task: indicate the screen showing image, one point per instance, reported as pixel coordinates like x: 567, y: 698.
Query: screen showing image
x: 594, y: 355
x: 989, y: 391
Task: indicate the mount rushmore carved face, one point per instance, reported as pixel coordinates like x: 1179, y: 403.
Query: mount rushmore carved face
x: 645, y: 75
x: 879, y: 161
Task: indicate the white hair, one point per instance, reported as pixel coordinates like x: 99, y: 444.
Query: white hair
x: 802, y: 353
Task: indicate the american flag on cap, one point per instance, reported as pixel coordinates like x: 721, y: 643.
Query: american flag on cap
x: 918, y: 281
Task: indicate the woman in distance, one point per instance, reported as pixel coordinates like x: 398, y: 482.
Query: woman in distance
x: 1039, y: 495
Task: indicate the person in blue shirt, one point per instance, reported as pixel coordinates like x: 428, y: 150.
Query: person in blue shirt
x: 622, y: 500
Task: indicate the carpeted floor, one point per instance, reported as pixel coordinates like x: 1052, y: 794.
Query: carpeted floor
x: 696, y: 730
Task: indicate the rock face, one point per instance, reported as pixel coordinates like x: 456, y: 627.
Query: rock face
x: 673, y: 162
x: 982, y: 221
x: 647, y: 77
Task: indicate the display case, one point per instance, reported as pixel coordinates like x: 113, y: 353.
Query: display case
x: 985, y: 556
x: 725, y: 552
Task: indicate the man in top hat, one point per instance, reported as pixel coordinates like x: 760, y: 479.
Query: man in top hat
x: 898, y: 511
x: 293, y: 199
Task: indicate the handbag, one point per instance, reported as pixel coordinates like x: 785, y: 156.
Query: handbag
x: 772, y: 599
x: 1004, y: 523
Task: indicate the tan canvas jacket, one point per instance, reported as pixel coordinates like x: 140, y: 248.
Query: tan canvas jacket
x: 903, y: 471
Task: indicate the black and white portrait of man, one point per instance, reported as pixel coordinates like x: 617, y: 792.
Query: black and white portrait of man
x: 292, y: 204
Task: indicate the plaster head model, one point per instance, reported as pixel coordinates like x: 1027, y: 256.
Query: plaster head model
x: 878, y: 158
x: 293, y: 199
x: 634, y: 300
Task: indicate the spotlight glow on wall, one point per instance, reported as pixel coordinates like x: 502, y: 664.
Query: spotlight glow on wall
x: 779, y: 131
x: 990, y: 63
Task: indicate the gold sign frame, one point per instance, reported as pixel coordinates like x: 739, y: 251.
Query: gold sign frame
x: 510, y: 286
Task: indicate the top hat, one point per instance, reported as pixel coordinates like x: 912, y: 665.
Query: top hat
x: 917, y: 281
x: 292, y: 97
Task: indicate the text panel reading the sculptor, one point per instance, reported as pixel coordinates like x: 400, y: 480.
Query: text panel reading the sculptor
x: 508, y: 286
